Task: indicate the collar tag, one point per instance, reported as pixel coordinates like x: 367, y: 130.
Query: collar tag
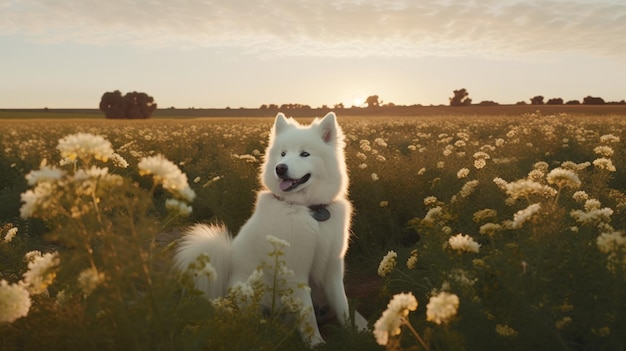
x: 320, y: 213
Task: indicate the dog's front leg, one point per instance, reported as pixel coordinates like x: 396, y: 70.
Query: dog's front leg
x: 336, y: 296
x: 308, y: 327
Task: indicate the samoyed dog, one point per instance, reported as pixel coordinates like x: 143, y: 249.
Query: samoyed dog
x: 303, y: 203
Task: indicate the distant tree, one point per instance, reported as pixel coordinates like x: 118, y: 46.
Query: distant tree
x: 590, y: 100
x: 273, y: 107
x: 460, y: 98
x: 294, y: 106
x: 339, y: 106
x: 555, y: 101
x: 573, y: 102
x: 132, y: 105
x: 537, y: 100
x: 373, y: 101
x: 112, y: 104
x: 521, y: 103
x: 263, y: 107
x: 488, y: 103
x: 138, y: 105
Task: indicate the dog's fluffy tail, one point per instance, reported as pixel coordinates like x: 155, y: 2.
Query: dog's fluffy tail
x: 213, y: 241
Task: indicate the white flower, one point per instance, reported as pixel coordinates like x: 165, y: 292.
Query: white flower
x: 563, y: 178
x: 609, y: 138
x: 524, y: 188
x: 430, y: 200
x: 411, y: 262
x: 41, y: 272
x: 605, y: 164
x: 505, y: 330
x: 468, y: 188
x: 388, y: 263
x: 10, y: 235
x: 178, y: 207
x: 541, y: 166
x: 392, y: 318
x: 500, y: 183
x: 14, y: 302
x: 535, y: 175
x: 278, y: 243
x: 462, y: 173
x: 119, y: 161
x: 168, y: 174
x: 611, y: 242
x: 30, y: 256
x: 380, y: 142
x: 89, y: 279
x: 580, y: 196
x: 480, y: 163
x: 433, y: 214
x: 521, y: 216
x: 442, y: 308
x: 489, y: 229
x: 37, y: 198
x: 463, y: 243
x: 85, y: 146
x: 242, y: 292
x: 46, y: 173
x: 375, y: 177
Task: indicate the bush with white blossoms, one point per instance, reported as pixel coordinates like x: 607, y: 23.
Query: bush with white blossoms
x: 103, y: 228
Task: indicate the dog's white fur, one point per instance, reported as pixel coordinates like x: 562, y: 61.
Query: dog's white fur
x: 317, y: 248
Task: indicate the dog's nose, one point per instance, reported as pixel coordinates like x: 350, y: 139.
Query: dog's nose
x: 281, y: 169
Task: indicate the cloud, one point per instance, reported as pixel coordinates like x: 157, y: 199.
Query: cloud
x: 331, y: 28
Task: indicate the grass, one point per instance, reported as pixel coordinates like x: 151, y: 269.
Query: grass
x: 546, y: 279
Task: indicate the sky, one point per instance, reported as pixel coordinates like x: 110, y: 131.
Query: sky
x: 245, y: 53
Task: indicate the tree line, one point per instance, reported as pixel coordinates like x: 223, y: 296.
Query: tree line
x: 460, y: 98
x: 135, y: 105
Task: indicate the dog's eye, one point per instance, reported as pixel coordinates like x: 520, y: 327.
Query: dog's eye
x: 282, y: 154
x: 304, y: 154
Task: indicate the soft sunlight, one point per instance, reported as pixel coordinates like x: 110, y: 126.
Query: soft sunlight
x: 358, y: 102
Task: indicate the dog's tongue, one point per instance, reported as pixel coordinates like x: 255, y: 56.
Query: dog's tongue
x: 285, y: 184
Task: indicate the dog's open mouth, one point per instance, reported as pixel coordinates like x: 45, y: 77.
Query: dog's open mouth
x: 288, y: 184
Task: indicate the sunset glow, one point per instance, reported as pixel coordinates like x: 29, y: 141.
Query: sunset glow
x: 224, y: 53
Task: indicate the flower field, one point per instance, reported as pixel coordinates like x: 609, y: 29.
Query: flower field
x: 470, y: 233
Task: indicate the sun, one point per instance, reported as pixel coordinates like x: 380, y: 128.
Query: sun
x: 358, y: 101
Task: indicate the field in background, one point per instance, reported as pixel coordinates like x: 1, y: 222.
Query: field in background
x: 538, y: 200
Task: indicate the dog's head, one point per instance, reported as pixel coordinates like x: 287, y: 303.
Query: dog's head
x: 306, y: 164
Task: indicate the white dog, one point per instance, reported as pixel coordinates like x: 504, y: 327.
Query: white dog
x: 305, y: 204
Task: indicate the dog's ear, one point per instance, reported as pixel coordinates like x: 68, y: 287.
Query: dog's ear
x: 328, y: 126
x: 280, y: 123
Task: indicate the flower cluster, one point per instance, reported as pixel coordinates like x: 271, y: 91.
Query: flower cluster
x: 166, y: 173
x: 394, y: 316
x: 442, y: 307
x: 85, y: 146
x: 388, y: 263
x: 463, y: 243
x: 15, y: 301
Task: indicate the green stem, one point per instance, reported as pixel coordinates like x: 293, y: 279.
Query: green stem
x: 406, y: 322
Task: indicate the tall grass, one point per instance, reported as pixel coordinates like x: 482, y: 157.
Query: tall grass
x: 520, y: 218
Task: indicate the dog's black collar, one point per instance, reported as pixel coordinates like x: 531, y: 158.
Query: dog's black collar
x: 319, y: 212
